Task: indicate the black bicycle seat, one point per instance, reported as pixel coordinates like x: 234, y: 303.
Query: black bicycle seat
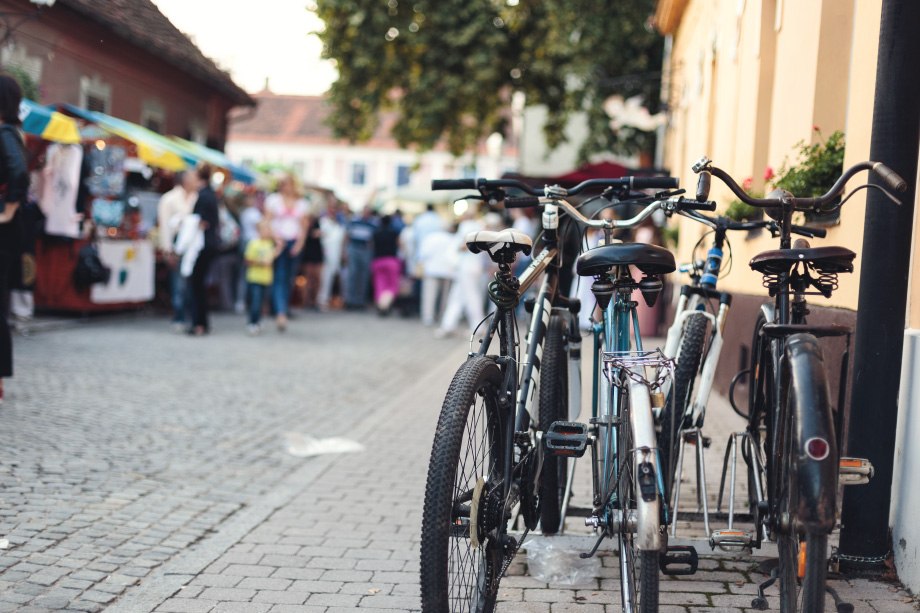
x: 826, y: 260
x: 650, y: 259
x: 492, y: 242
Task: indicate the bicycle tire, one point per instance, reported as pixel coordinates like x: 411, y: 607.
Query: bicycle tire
x: 457, y: 575
x: 679, y: 399
x: 640, y: 579
x: 759, y: 397
x: 554, y: 403
x: 810, y: 595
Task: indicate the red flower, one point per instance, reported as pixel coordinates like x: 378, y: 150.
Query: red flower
x: 747, y: 184
x: 768, y: 173
x: 816, y: 128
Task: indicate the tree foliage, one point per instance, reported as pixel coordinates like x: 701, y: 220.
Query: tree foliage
x: 448, y: 68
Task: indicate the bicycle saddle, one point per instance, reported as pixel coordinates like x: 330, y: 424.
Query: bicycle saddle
x: 650, y: 259
x: 492, y: 242
x: 825, y: 260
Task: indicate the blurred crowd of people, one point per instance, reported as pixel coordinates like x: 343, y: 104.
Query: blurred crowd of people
x: 262, y: 254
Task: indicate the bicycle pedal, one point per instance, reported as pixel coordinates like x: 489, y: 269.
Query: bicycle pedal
x: 682, y: 556
x: 730, y: 538
x: 566, y: 438
x: 855, y: 471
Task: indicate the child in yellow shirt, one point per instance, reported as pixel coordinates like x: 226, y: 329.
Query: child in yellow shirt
x: 260, y: 254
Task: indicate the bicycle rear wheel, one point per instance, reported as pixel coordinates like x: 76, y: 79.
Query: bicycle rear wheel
x: 808, y: 548
x: 679, y: 399
x: 638, y: 568
x: 554, y: 406
x: 464, y: 513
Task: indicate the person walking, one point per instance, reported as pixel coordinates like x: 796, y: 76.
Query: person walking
x: 332, y: 236
x: 360, y: 251
x: 14, y: 174
x: 287, y: 212
x: 174, y: 206
x: 207, y: 210
x: 437, y: 259
x: 386, y: 267
x: 260, y: 256
x: 313, y: 262
x: 250, y: 217
x: 467, y: 294
x: 421, y: 227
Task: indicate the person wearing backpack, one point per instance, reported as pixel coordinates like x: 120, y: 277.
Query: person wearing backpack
x: 14, y: 176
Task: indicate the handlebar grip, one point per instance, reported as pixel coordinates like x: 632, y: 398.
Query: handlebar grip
x: 521, y: 202
x: 703, y: 184
x: 654, y: 182
x: 891, y: 178
x: 806, y: 231
x: 441, y: 184
x: 695, y: 205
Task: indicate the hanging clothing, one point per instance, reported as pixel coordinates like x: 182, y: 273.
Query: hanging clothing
x: 60, y: 184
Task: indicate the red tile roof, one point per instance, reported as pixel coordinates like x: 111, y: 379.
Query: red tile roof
x: 284, y: 118
x: 141, y: 23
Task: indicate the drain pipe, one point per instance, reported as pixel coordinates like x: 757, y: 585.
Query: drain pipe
x: 880, y: 320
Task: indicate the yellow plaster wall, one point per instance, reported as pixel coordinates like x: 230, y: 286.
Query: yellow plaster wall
x: 750, y: 79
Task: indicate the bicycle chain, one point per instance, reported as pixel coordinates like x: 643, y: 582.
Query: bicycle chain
x: 509, y: 558
x: 864, y: 559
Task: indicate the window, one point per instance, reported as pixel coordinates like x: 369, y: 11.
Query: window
x: 358, y: 173
x: 300, y: 169
x: 153, y: 116
x: 403, y: 172
x: 95, y: 95
x: 197, y: 131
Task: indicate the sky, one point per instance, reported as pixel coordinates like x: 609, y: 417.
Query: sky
x: 257, y: 40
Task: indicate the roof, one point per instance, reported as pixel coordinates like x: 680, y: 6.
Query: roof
x: 302, y: 119
x: 141, y: 23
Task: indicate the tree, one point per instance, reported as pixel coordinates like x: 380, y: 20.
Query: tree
x: 448, y: 68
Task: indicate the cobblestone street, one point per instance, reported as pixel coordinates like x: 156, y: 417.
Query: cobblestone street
x: 146, y: 471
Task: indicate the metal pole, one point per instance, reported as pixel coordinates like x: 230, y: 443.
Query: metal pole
x: 880, y: 320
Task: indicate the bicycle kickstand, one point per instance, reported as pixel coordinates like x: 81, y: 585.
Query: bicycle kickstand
x: 842, y: 607
x: 760, y: 603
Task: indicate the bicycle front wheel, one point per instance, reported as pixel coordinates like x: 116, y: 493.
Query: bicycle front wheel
x: 554, y: 406
x: 464, y: 510
x: 676, y: 413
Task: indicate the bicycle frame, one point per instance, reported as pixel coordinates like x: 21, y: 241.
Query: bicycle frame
x: 615, y: 334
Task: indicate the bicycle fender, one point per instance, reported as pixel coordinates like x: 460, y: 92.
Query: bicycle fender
x: 815, y: 443
x: 648, y: 535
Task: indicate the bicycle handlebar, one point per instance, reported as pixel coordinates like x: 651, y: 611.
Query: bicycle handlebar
x: 731, y: 224
x: 890, y: 178
x: 487, y: 184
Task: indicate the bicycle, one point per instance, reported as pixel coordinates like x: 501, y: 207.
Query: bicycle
x: 793, y: 464
x: 695, y: 341
x: 466, y: 545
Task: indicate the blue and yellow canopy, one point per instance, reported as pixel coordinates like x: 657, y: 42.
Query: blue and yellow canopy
x: 48, y: 123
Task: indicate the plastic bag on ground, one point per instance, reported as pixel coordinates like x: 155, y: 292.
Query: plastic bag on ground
x: 303, y: 446
x: 554, y: 561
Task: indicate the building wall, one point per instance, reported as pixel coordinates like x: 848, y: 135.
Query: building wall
x: 330, y: 165
x: 746, y: 87
x: 62, y: 47
x: 751, y: 78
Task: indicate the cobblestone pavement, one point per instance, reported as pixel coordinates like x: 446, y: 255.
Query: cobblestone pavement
x: 144, y: 471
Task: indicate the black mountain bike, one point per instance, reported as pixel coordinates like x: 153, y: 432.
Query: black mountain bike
x: 792, y: 445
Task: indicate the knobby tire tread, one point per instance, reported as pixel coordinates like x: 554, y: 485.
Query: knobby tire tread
x: 554, y: 396
x: 476, y: 373
x: 690, y: 355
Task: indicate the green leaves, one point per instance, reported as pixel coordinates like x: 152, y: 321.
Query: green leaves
x: 448, y: 67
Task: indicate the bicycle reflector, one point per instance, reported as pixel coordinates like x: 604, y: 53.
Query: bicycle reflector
x: 817, y: 448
